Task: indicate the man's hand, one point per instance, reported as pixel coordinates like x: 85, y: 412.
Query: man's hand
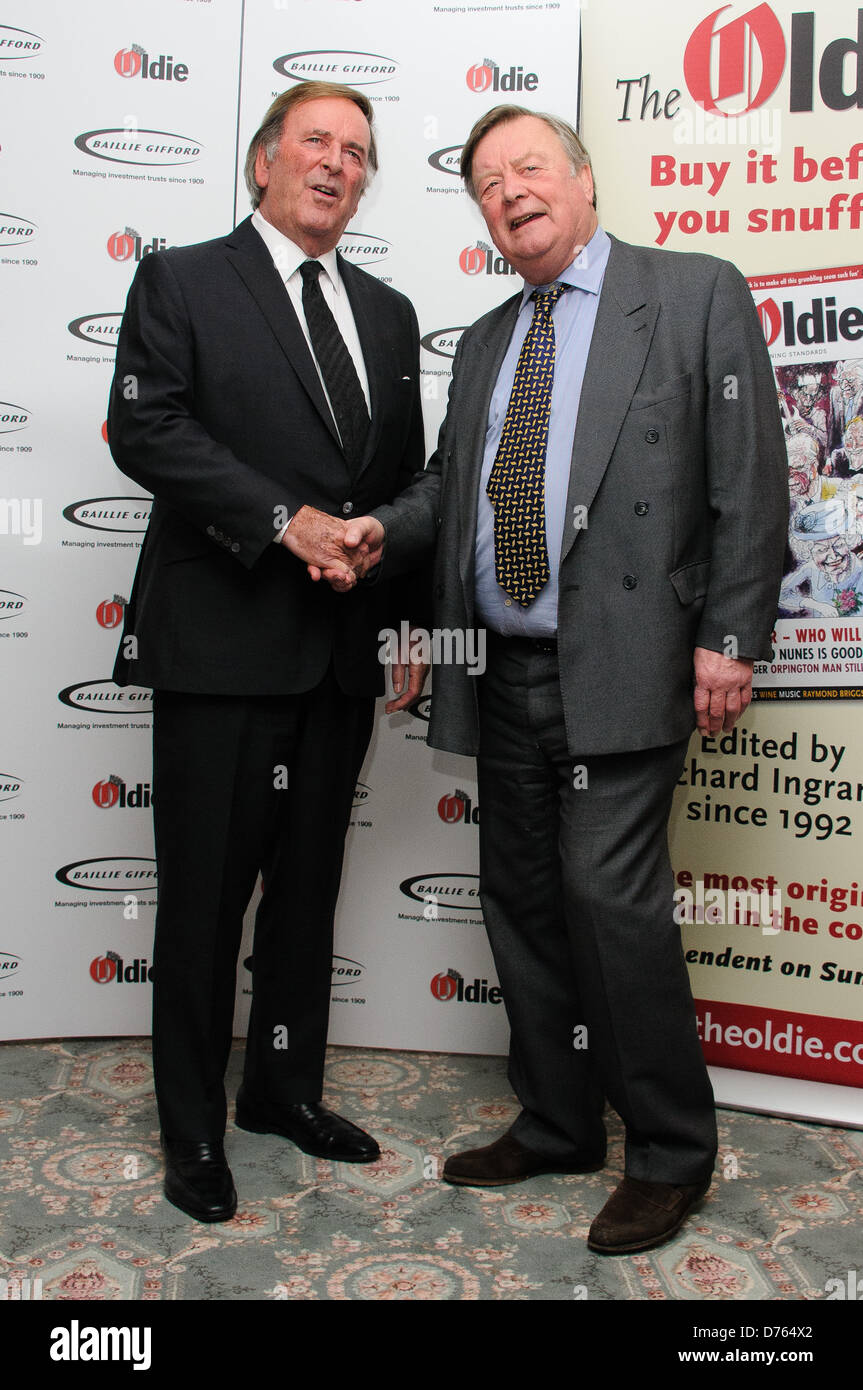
x: 363, y: 540
x: 409, y: 677
x: 723, y: 690
x: 318, y: 538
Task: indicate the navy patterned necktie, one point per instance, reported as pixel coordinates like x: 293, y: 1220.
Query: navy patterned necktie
x: 516, y: 485
x: 337, y: 367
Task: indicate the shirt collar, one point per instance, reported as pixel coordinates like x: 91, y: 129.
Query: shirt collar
x: 586, y: 272
x: 288, y: 257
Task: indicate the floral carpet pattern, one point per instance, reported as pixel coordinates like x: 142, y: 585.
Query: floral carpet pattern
x: 82, y: 1216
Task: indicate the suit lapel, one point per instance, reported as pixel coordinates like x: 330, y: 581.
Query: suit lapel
x: 361, y: 289
x: 622, y: 335
x: 248, y: 254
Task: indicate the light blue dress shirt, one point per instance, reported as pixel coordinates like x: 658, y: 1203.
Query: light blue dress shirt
x: 574, y: 316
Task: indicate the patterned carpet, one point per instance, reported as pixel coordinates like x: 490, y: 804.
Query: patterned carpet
x: 81, y: 1206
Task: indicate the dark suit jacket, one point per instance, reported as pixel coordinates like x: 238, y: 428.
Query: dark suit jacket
x: 680, y: 460
x: 217, y: 409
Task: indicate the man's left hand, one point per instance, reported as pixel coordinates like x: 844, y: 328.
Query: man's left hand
x: 409, y: 677
x: 723, y: 690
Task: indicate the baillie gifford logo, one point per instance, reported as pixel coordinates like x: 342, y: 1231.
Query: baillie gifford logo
x: 136, y: 62
x: 474, y: 260
x: 443, y: 341
x: 129, y: 245
x: 489, y: 76
x: 733, y: 67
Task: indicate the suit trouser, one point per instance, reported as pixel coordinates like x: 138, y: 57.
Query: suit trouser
x: 242, y: 786
x: 576, y: 887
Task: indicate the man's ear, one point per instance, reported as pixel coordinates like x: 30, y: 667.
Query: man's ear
x: 262, y: 168
x: 585, y: 178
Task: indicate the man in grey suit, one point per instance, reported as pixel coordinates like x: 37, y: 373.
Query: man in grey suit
x: 626, y: 569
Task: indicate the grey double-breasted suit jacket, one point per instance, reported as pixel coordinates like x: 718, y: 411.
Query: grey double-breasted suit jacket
x: 677, y: 510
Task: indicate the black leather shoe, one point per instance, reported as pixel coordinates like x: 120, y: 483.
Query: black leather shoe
x: 507, y: 1161
x: 198, y: 1179
x: 314, y: 1129
x: 639, y: 1215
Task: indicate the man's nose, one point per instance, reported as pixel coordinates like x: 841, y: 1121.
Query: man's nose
x: 333, y: 156
x: 512, y: 186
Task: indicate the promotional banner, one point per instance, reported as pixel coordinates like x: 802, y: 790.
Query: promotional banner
x: 735, y: 131
x: 811, y: 320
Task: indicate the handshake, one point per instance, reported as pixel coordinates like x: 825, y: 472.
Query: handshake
x: 341, y: 552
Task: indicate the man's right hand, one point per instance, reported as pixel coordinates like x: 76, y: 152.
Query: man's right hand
x: 319, y: 539
x: 363, y: 540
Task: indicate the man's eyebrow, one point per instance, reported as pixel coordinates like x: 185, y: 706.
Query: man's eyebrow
x: 519, y: 159
x: 348, y: 144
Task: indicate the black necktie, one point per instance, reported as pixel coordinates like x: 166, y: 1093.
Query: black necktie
x: 337, y: 367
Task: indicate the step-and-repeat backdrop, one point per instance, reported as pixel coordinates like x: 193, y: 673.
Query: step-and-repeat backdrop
x: 122, y: 131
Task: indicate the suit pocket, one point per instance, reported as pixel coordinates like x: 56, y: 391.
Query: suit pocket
x: 664, y: 391
x: 690, y: 581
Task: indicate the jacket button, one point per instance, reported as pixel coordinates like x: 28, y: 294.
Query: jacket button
x: 211, y: 530
x: 629, y: 581
x: 347, y: 508
x: 642, y: 508
x: 652, y: 436
x: 235, y: 547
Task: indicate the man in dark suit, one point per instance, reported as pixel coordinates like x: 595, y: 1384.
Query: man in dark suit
x: 610, y: 496
x: 265, y: 391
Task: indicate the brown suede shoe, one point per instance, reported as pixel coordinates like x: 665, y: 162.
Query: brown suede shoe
x: 639, y: 1215
x: 507, y: 1161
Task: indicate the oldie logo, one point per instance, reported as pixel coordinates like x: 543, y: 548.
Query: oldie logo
x: 113, y: 791
x: 473, y: 260
x: 110, y: 969
x: 725, y: 62
x: 110, y: 611
x: 734, y: 66
x: 449, y: 985
x: 489, y: 76
x: 135, y: 62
